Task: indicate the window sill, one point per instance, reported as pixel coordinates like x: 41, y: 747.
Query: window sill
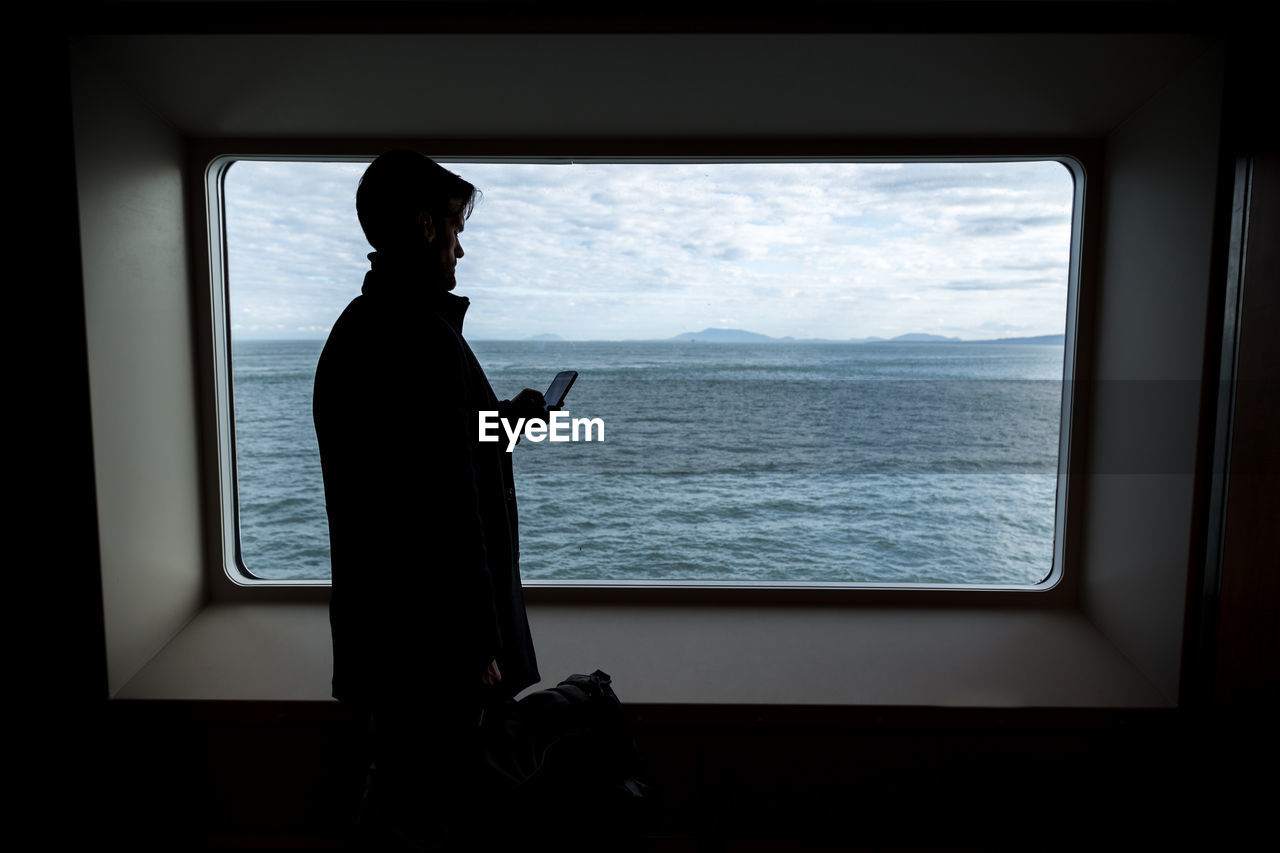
x: 688, y: 654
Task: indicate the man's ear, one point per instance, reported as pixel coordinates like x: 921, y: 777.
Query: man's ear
x: 428, y: 227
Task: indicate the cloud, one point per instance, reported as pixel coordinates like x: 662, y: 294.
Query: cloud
x: 649, y: 250
x: 992, y: 284
x: 999, y: 226
x: 1045, y: 264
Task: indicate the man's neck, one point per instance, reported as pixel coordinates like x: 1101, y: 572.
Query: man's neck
x: 399, y: 276
x: 412, y: 265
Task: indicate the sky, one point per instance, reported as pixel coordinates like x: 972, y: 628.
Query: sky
x: 595, y: 251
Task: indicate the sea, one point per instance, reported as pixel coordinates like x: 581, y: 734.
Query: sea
x: 831, y: 463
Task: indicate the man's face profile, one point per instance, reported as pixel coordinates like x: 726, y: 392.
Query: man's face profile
x: 444, y: 246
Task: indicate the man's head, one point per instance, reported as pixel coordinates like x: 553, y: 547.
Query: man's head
x: 407, y: 202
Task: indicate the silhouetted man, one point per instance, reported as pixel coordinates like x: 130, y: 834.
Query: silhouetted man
x: 427, y: 609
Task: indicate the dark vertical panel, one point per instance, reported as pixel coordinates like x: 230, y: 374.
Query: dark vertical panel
x: 1233, y: 598
x: 82, y: 672
x: 1248, y: 656
x: 56, y: 667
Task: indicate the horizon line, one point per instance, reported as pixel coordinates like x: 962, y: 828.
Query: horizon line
x: 682, y: 338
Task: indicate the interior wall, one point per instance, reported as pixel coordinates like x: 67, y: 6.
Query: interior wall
x: 141, y: 376
x: 1158, y: 209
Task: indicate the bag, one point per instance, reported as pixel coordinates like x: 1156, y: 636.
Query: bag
x: 566, y: 743
x: 556, y: 754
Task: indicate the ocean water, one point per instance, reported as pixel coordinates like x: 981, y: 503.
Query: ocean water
x: 827, y: 462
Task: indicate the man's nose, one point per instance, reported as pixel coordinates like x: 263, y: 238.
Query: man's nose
x: 457, y: 249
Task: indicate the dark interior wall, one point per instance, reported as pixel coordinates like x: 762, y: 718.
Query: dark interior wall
x: 1149, y: 331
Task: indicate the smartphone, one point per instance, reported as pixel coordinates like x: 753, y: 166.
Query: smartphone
x: 559, y: 388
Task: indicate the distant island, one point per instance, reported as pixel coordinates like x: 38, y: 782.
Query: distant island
x: 743, y: 336
x: 922, y: 338
x: 1045, y: 340
x: 548, y: 336
x: 730, y: 335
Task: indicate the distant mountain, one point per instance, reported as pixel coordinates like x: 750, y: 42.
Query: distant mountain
x: 545, y: 337
x: 1043, y: 340
x: 922, y: 338
x: 722, y: 335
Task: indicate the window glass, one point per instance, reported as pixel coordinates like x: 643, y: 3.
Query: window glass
x: 817, y: 372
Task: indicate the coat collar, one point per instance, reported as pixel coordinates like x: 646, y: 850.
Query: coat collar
x: 403, y: 282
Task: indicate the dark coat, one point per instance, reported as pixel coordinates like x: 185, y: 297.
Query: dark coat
x: 422, y: 516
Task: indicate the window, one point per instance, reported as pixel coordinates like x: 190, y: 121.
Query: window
x: 809, y: 372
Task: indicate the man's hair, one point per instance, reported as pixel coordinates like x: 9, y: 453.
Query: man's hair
x: 398, y: 186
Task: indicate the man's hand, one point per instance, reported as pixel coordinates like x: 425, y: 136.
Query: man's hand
x: 492, y: 675
x: 526, y: 406
x: 529, y: 404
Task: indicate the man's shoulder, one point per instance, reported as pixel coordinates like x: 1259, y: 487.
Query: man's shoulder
x: 374, y: 329
x: 350, y: 320
x: 372, y: 314
x: 368, y: 324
